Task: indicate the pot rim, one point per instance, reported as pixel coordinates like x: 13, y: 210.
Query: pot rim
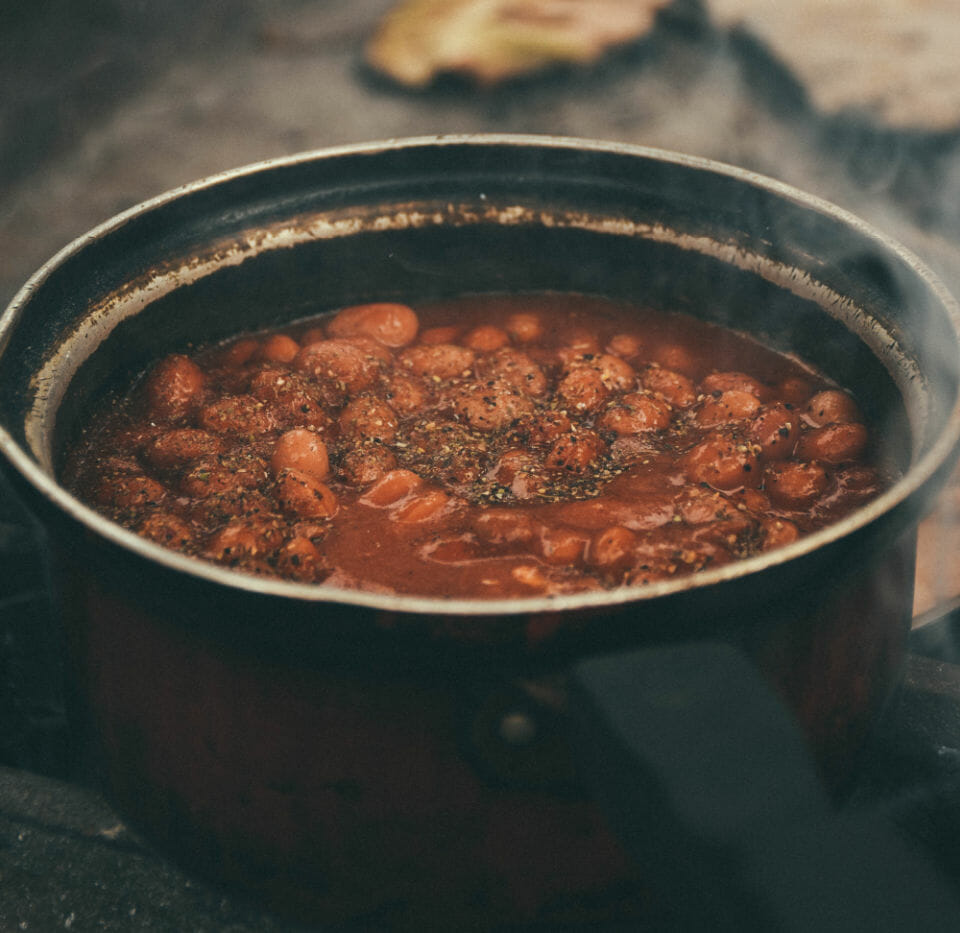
x: 935, y: 461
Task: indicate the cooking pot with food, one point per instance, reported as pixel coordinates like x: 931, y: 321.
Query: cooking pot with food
x: 354, y: 753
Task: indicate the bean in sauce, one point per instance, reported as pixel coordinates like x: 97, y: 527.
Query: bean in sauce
x: 488, y: 446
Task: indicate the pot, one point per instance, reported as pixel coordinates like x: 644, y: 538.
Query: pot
x: 348, y: 754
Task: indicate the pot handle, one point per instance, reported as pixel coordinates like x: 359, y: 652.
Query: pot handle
x: 706, y: 779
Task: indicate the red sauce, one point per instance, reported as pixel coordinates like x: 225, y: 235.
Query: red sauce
x: 490, y: 446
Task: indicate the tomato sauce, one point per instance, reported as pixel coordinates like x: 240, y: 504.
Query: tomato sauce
x: 487, y: 446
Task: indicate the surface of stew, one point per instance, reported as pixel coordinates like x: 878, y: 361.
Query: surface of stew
x: 489, y: 446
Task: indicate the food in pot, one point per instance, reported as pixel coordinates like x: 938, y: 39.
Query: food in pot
x: 485, y: 446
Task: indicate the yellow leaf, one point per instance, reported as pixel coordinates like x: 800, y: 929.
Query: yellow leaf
x: 491, y: 41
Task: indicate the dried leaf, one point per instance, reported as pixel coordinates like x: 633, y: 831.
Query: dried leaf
x: 491, y: 41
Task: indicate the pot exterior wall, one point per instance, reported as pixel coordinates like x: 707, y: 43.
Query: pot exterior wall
x: 343, y: 791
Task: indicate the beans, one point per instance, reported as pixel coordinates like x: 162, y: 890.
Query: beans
x: 635, y: 413
x: 575, y: 453
x: 299, y: 559
x: 524, y: 327
x: 678, y: 358
x: 300, y: 408
x: 302, y: 495
x: 272, y: 383
x: 217, y: 510
x: 242, y: 538
x: 441, y: 360
x: 373, y: 349
x: 486, y: 338
x: 731, y: 405
x: 616, y: 374
x: 582, y: 391
x: 626, y: 346
x: 794, y: 390
x: 208, y: 479
x: 393, y: 325
x: 777, y: 532
x: 752, y: 500
x: 300, y: 449
x: 499, y: 527
x: 562, y: 546
x: 794, y: 485
x: 280, y: 349
x: 392, y: 487
x: 833, y: 443
x: 181, y: 446
x: 699, y: 506
x: 533, y: 450
x: 725, y: 538
x: 167, y: 529
x: 293, y: 400
x: 613, y: 550
x: 446, y: 451
x: 173, y: 389
x: 406, y: 396
x: 339, y: 365
x: 239, y: 353
x: 132, y: 491
x: 421, y: 507
x: 774, y: 431
x: 236, y: 414
x: 361, y: 466
x: 581, y: 341
x: 546, y: 426
x: 676, y: 388
x: 721, y: 462
x: 735, y: 382
x: 516, y: 369
x: 491, y: 407
x: 369, y: 419
x: 831, y: 407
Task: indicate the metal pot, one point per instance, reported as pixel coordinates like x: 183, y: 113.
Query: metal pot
x: 352, y: 754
